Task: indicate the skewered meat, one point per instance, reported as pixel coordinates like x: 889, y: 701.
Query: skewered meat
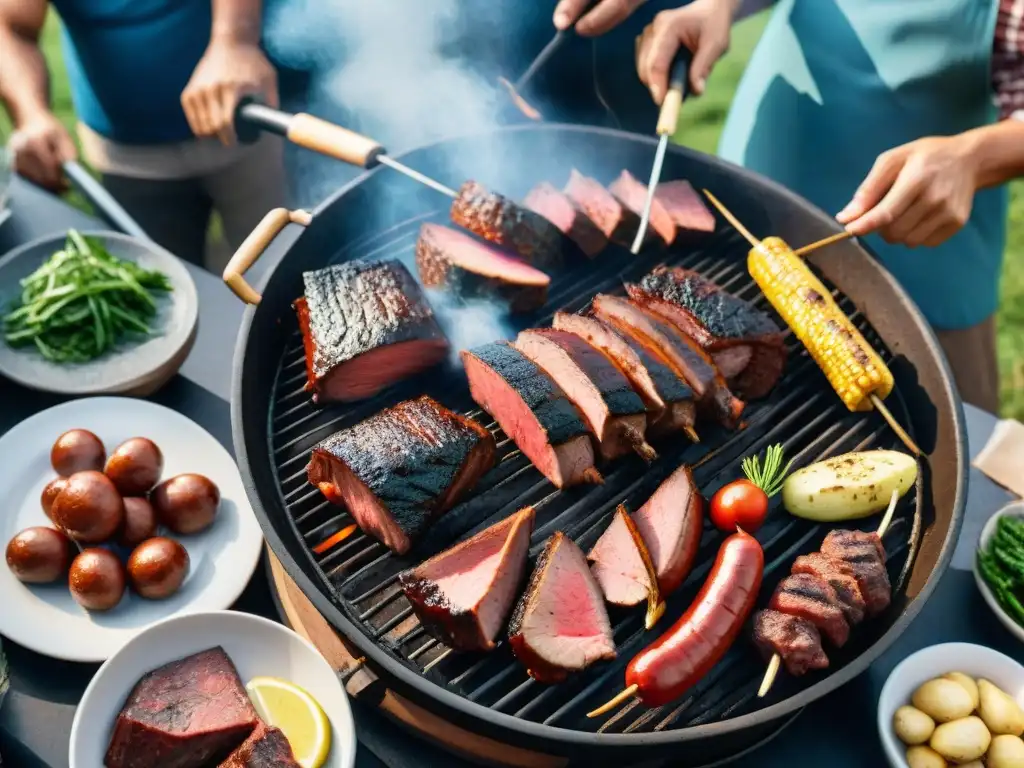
x: 813, y: 599
x: 496, y: 218
x: 745, y: 343
x: 618, y: 223
x: 463, y: 595
x: 632, y: 193
x: 560, y: 624
x: 401, y: 468
x: 267, y: 747
x: 449, y: 259
x: 845, y: 586
x: 794, y: 639
x: 613, y: 411
x: 533, y: 411
x: 685, y: 207
x: 671, y: 523
x: 862, y: 556
x: 684, y: 356
x: 365, y: 325
x: 669, y: 400
x: 560, y: 210
x: 617, y: 563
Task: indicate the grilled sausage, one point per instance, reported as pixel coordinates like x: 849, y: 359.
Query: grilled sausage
x: 678, y: 659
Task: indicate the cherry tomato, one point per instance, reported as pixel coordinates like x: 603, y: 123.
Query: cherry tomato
x: 739, y: 503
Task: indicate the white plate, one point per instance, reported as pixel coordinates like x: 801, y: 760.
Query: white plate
x: 223, y: 557
x: 257, y: 646
x: 936, y: 660
x: 1016, y: 509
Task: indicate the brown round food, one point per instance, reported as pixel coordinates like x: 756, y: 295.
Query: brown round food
x: 186, y: 503
x: 77, y: 450
x: 139, y: 522
x: 89, y: 509
x: 50, y: 493
x: 97, y: 579
x: 135, y: 466
x: 39, y: 555
x: 157, y: 567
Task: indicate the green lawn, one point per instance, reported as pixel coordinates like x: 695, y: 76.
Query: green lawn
x: 700, y: 128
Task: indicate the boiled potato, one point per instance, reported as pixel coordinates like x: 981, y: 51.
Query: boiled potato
x: 972, y: 764
x: 1005, y: 752
x: 912, y: 726
x: 925, y: 757
x: 998, y: 710
x: 943, y: 700
x: 961, y: 740
x: 967, y: 682
x: 849, y: 486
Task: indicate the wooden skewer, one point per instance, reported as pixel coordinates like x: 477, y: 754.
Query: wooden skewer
x: 732, y: 219
x: 655, y: 605
x: 608, y: 706
x: 823, y: 242
x: 901, y: 433
x: 636, y: 440
x: 773, y: 665
x: 691, y: 433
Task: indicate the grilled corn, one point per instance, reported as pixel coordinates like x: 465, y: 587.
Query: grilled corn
x: 853, y: 368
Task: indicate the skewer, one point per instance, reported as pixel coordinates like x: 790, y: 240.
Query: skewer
x: 390, y: 162
x: 901, y: 433
x: 608, y: 706
x: 691, y: 433
x: 823, y: 242
x: 773, y: 665
x: 655, y: 605
x: 639, y: 444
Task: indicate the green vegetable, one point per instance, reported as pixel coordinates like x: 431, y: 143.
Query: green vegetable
x: 82, y: 302
x: 1001, y: 566
x: 770, y: 477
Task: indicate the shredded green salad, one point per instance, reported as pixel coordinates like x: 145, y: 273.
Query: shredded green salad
x: 1002, y: 566
x: 82, y: 302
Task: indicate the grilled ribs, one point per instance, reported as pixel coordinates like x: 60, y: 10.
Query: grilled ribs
x: 794, y: 639
x: 564, y: 213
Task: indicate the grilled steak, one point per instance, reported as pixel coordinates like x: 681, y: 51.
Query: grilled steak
x: 862, y: 556
x: 267, y: 747
x: 463, y: 595
x: 401, y: 468
x: 498, y: 219
x: 365, y: 326
x: 560, y: 624
x: 669, y: 400
x: 560, y: 210
x: 845, y: 586
x: 671, y: 523
x: 449, y: 259
x: 688, y: 360
x: 633, y: 194
x: 745, y: 343
x: 685, y: 207
x: 813, y: 599
x: 796, y: 640
x: 613, y: 411
x: 533, y: 411
x: 617, y: 222
x: 618, y: 564
x: 186, y: 714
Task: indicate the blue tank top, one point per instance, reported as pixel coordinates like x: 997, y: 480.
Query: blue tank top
x: 128, y: 62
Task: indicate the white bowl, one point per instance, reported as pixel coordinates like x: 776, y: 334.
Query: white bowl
x: 1015, y: 509
x: 973, y: 660
x: 257, y: 646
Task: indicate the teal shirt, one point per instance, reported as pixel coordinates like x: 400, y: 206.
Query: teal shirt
x: 128, y: 62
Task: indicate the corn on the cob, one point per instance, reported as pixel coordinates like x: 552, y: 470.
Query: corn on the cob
x: 853, y: 368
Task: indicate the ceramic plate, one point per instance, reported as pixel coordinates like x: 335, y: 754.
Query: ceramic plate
x: 126, y: 368
x: 1014, y: 509
x: 257, y: 646
x: 223, y: 557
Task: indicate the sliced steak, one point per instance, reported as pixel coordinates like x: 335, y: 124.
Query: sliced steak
x: 446, y: 258
x: 796, y: 640
x: 560, y: 624
x: 845, y: 586
x: 365, y: 326
x: 745, y: 343
x: 812, y: 598
x: 671, y: 523
x: 685, y: 206
x: 617, y: 561
x: 617, y: 222
x: 186, y: 714
x: 267, y: 747
x: 614, y: 412
x: 498, y: 219
x: 669, y: 400
x: 463, y: 595
x: 632, y: 193
x: 688, y: 360
x: 400, y: 469
x: 533, y: 411
x: 555, y: 206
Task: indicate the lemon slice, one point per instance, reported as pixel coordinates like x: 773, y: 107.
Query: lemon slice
x: 288, y: 707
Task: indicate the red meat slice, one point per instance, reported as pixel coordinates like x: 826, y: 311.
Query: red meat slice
x: 633, y: 194
x: 671, y: 524
x: 617, y: 222
x: 617, y: 563
x: 560, y: 210
x: 685, y: 207
x: 267, y: 747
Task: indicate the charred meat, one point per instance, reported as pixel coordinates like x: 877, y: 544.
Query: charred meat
x: 632, y: 193
x: 618, y: 563
x: 813, y: 599
x: 463, y: 595
x: 365, y: 326
x: 684, y: 205
x: 615, y: 220
x: 555, y: 206
x: 401, y: 468
x: 861, y: 555
x: 468, y: 268
x: 267, y: 747
x: 671, y: 523
x: 533, y: 411
x: 794, y: 639
x: 845, y: 586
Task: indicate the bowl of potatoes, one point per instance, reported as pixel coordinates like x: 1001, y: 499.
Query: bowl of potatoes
x: 955, y: 704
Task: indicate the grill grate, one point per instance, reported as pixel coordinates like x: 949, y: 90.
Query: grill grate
x: 360, y: 575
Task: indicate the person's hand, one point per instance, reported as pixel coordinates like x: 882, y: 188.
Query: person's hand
x: 227, y: 72
x: 703, y: 26
x: 40, y: 146
x: 603, y: 17
x: 919, y: 193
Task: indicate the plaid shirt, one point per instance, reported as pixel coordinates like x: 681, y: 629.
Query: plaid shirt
x: 1008, y: 59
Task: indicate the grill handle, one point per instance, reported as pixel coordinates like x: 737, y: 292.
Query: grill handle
x: 253, y: 247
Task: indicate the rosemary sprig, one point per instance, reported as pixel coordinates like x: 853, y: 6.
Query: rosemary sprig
x: 770, y: 476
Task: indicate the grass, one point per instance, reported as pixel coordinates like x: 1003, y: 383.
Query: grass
x: 700, y: 128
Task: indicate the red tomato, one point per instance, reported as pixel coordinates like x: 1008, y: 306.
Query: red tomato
x: 739, y: 503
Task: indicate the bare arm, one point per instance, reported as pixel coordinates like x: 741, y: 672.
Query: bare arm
x: 998, y: 151
x: 235, y: 21
x: 24, y: 82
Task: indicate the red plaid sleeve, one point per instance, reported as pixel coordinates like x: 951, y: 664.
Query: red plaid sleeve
x: 1008, y: 60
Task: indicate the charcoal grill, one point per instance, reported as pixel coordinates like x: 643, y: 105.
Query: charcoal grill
x: 353, y: 584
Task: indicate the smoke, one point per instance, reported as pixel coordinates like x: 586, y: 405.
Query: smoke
x: 468, y: 324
